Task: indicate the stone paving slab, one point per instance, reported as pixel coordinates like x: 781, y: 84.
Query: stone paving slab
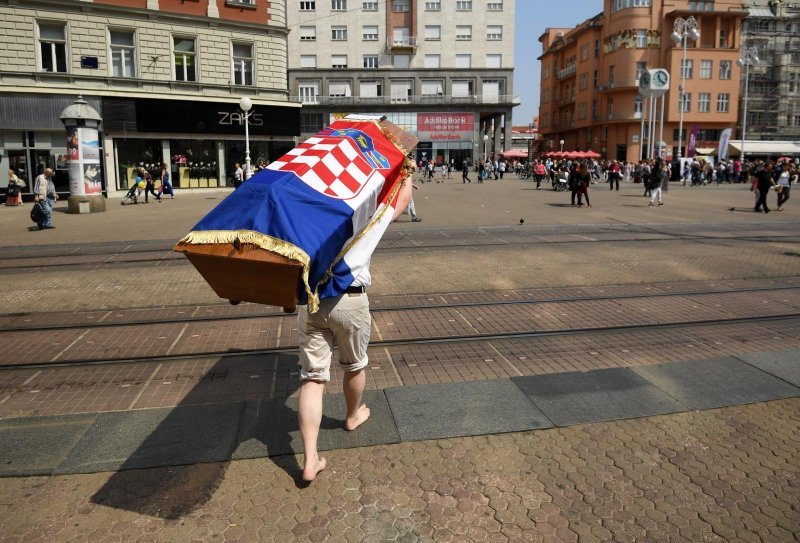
x: 271, y: 427
x: 462, y: 409
x: 38, y: 446
x: 595, y: 396
x: 156, y: 437
x: 784, y: 364
x: 707, y: 384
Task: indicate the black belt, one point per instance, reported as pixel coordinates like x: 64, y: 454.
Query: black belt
x: 356, y: 290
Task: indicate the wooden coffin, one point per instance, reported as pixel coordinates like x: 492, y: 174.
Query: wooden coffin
x: 246, y: 273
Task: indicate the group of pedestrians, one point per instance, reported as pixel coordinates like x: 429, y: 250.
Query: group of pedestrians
x: 145, y: 182
x: 777, y: 176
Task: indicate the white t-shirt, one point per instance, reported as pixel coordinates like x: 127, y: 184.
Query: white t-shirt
x: 239, y: 174
x: 783, y: 180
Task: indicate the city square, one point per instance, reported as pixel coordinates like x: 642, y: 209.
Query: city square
x: 408, y: 270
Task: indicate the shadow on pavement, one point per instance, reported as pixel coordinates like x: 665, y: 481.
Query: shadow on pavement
x: 236, y: 409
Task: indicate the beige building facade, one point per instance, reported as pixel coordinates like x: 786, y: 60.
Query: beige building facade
x: 442, y: 69
x: 590, y: 75
x: 165, y: 75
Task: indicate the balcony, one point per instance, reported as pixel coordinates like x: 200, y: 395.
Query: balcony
x: 430, y: 99
x: 566, y: 72
x: 401, y: 43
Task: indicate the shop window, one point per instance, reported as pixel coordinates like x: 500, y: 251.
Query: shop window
x: 242, y: 64
x: 194, y: 163
x: 123, y: 53
x: 137, y: 153
x: 53, y: 47
x: 185, y: 69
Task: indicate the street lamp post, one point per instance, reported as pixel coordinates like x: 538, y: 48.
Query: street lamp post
x: 485, y: 147
x: 683, y: 30
x: 246, y: 105
x: 750, y: 56
x: 561, y: 143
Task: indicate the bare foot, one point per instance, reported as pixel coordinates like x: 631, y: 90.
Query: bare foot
x: 361, y: 416
x: 312, y: 469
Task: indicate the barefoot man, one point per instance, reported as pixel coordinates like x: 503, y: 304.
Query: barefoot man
x: 345, y: 321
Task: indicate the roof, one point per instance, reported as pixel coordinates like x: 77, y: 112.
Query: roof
x: 760, y: 12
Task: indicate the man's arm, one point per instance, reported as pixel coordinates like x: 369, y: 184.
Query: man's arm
x: 403, y: 197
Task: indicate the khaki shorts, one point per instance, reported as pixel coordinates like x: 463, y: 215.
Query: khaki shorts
x: 343, y: 321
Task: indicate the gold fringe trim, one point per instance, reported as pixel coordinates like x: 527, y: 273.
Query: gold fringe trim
x: 268, y: 243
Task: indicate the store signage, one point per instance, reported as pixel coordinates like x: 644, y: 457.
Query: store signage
x: 191, y: 117
x: 227, y: 118
x: 445, y: 126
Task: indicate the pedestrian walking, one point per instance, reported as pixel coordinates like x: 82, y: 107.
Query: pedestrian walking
x: 238, y: 175
x: 345, y: 321
x: 444, y: 172
x: 585, y: 179
x: 659, y: 182
x: 763, y: 181
x: 465, y: 172
x: 14, y: 189
x: 166, y: 187
x: 44, y: 192
x: 150, y: 186
x: 614, y: 174
x: 783, y: 186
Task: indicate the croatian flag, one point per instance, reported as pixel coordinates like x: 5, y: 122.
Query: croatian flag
x: 325, y: 203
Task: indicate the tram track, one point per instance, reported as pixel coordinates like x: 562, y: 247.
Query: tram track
x: 452, y: 323
x: 279, y: 313
x: 121, y: 258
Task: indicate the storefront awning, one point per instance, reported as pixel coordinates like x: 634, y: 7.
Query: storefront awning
x: 706, y: 150
x: 765, y: 147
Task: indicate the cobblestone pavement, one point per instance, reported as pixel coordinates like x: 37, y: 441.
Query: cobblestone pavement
x: 728, y: 475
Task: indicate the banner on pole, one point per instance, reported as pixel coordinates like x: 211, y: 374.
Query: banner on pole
x: 691, y: 147
x: 722, y: 152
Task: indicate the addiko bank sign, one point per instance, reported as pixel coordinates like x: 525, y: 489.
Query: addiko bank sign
x: 445, y: 126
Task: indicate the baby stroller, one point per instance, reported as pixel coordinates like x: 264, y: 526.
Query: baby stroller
x: 560, y: 182
x: 130, y: 197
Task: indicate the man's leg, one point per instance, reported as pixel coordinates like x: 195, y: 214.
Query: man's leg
x: 353, y: 385
x: 47, y: 206
x: 310, y: 411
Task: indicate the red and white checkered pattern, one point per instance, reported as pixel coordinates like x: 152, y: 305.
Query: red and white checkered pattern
x: 331, y: 166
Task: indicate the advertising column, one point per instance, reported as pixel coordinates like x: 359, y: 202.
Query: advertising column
x: 83, y: 158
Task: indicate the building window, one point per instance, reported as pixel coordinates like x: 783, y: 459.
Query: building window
x: 701, y: 5
x: 494, y: 6
x: 433, y: 6
x: 610, y: 108
x: 706, y: 67
x: 545, y: 72
x: 724, y: 69
x: 641, y: 39
x: 338, y: 61
x: 242, y: 63
x: 463, y: 5
x: 463, y: 61
x: 401, y: 61
x: 308, y: 33
x: 494, y: 61
x: 371, y: 89
x: 369, y: 6
x: 463, y: 33
x: 687, y: 67
x: 370, y: 61
x: 339, y: 89
x: 596, y: 48
x: 494, y: 33
x: 641, y: 67
x: 545, y: 96
x: 794, y: 82
x: 338, y: 5
x: 594, y: 79
x: 369, y: 33
x: 308, y: 6
x: 617, y: 5
x: 53, y: 47
x: 400, y: 6
x: 704, y: 102
x: 723, y: 99
x: 637, y: 106
x: 433, y: 61
x: 583, y: 81
x: 308, y: 61
x: 338, y: 33
x: 184, y: 59
x: 462, y: 89
x: 433, y: 33
x: 311, y: 122
x: 612, y: 76
x: 594, y: 110
x: 401, y: 91
x: 686, y: 103
x: 123, y: 51
x: 581, y: 111
x: 309, y: 92
x: 432, y: 87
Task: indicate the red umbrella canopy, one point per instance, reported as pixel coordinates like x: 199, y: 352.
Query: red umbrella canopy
x: 515, y: 153
x: 591, y: 154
